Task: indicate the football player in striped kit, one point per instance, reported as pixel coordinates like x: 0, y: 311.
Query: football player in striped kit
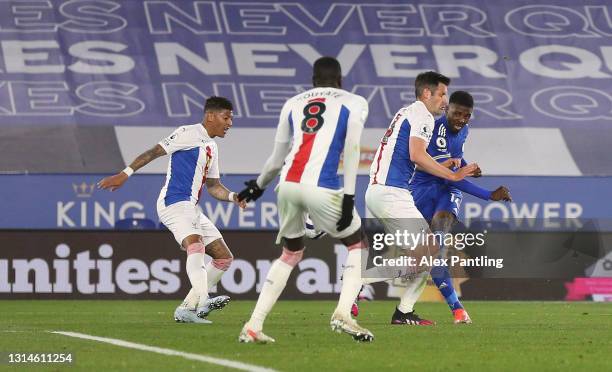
x: 194, y: 159
x: 315, y: 127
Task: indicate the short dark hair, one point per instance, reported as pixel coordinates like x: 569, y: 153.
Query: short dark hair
x: 215, y: 103
x: 429, y: 79
x: 462, y: 98
x: 326, y: 70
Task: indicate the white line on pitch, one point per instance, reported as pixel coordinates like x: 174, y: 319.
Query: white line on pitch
x: 160, y: 350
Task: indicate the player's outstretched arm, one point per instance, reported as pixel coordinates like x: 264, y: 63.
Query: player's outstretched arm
x: 420, y: 157
x: 116, y: 181
x: 472, y: 189
x: 282, y: 145
x: 218, y: 191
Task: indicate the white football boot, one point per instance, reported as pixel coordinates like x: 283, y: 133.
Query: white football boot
x: 348, y: 325
x: 215, y: 303
x: 184, y: 315
x: 247, y: 335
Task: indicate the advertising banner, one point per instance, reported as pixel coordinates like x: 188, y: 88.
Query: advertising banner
x: 128, y: 265
x: 73, y: 201
x: 57, y: 264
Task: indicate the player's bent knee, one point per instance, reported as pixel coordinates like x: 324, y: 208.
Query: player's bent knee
x: 195, y: 248
x: 442, y: 220
x: 444, y: 215
x: 222, y: 263
x: 291, y: 258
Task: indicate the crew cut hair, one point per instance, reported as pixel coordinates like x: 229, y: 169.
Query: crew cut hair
x: 429, y: 80
x: 462, y: 98
x: 215, y: 103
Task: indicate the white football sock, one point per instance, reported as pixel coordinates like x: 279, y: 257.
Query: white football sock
x: 197, y: 276
x: 275, y: 283
x: 376, y: 274
x: 351, y: 282
x: 213, y: 274
x: 191, y: 301
x: 413, y: 292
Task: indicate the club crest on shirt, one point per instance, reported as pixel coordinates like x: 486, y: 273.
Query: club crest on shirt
x: 441, y: 143
x: 424, y: 132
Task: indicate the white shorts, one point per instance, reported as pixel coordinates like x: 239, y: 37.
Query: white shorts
x: 184, y: 219
x: 324, y: 206
x: 395, y: 209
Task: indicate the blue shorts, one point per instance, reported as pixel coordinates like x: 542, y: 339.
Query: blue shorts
x: 434, y: 197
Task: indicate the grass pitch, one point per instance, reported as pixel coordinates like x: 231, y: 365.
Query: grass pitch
x: 504, y: 336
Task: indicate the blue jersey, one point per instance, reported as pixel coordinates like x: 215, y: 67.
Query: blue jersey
x: 444, y: 144
x: 431, y: 193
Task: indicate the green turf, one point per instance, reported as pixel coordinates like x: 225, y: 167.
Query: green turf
x: 504, y: 336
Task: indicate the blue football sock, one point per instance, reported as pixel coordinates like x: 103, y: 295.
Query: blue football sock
x: 442, y: 279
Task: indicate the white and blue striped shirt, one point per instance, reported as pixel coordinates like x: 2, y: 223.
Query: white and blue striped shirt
x: 392, y: 165
x: 194, y: 156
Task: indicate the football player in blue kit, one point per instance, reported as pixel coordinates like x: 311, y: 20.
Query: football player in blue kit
x: 438, y: 200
